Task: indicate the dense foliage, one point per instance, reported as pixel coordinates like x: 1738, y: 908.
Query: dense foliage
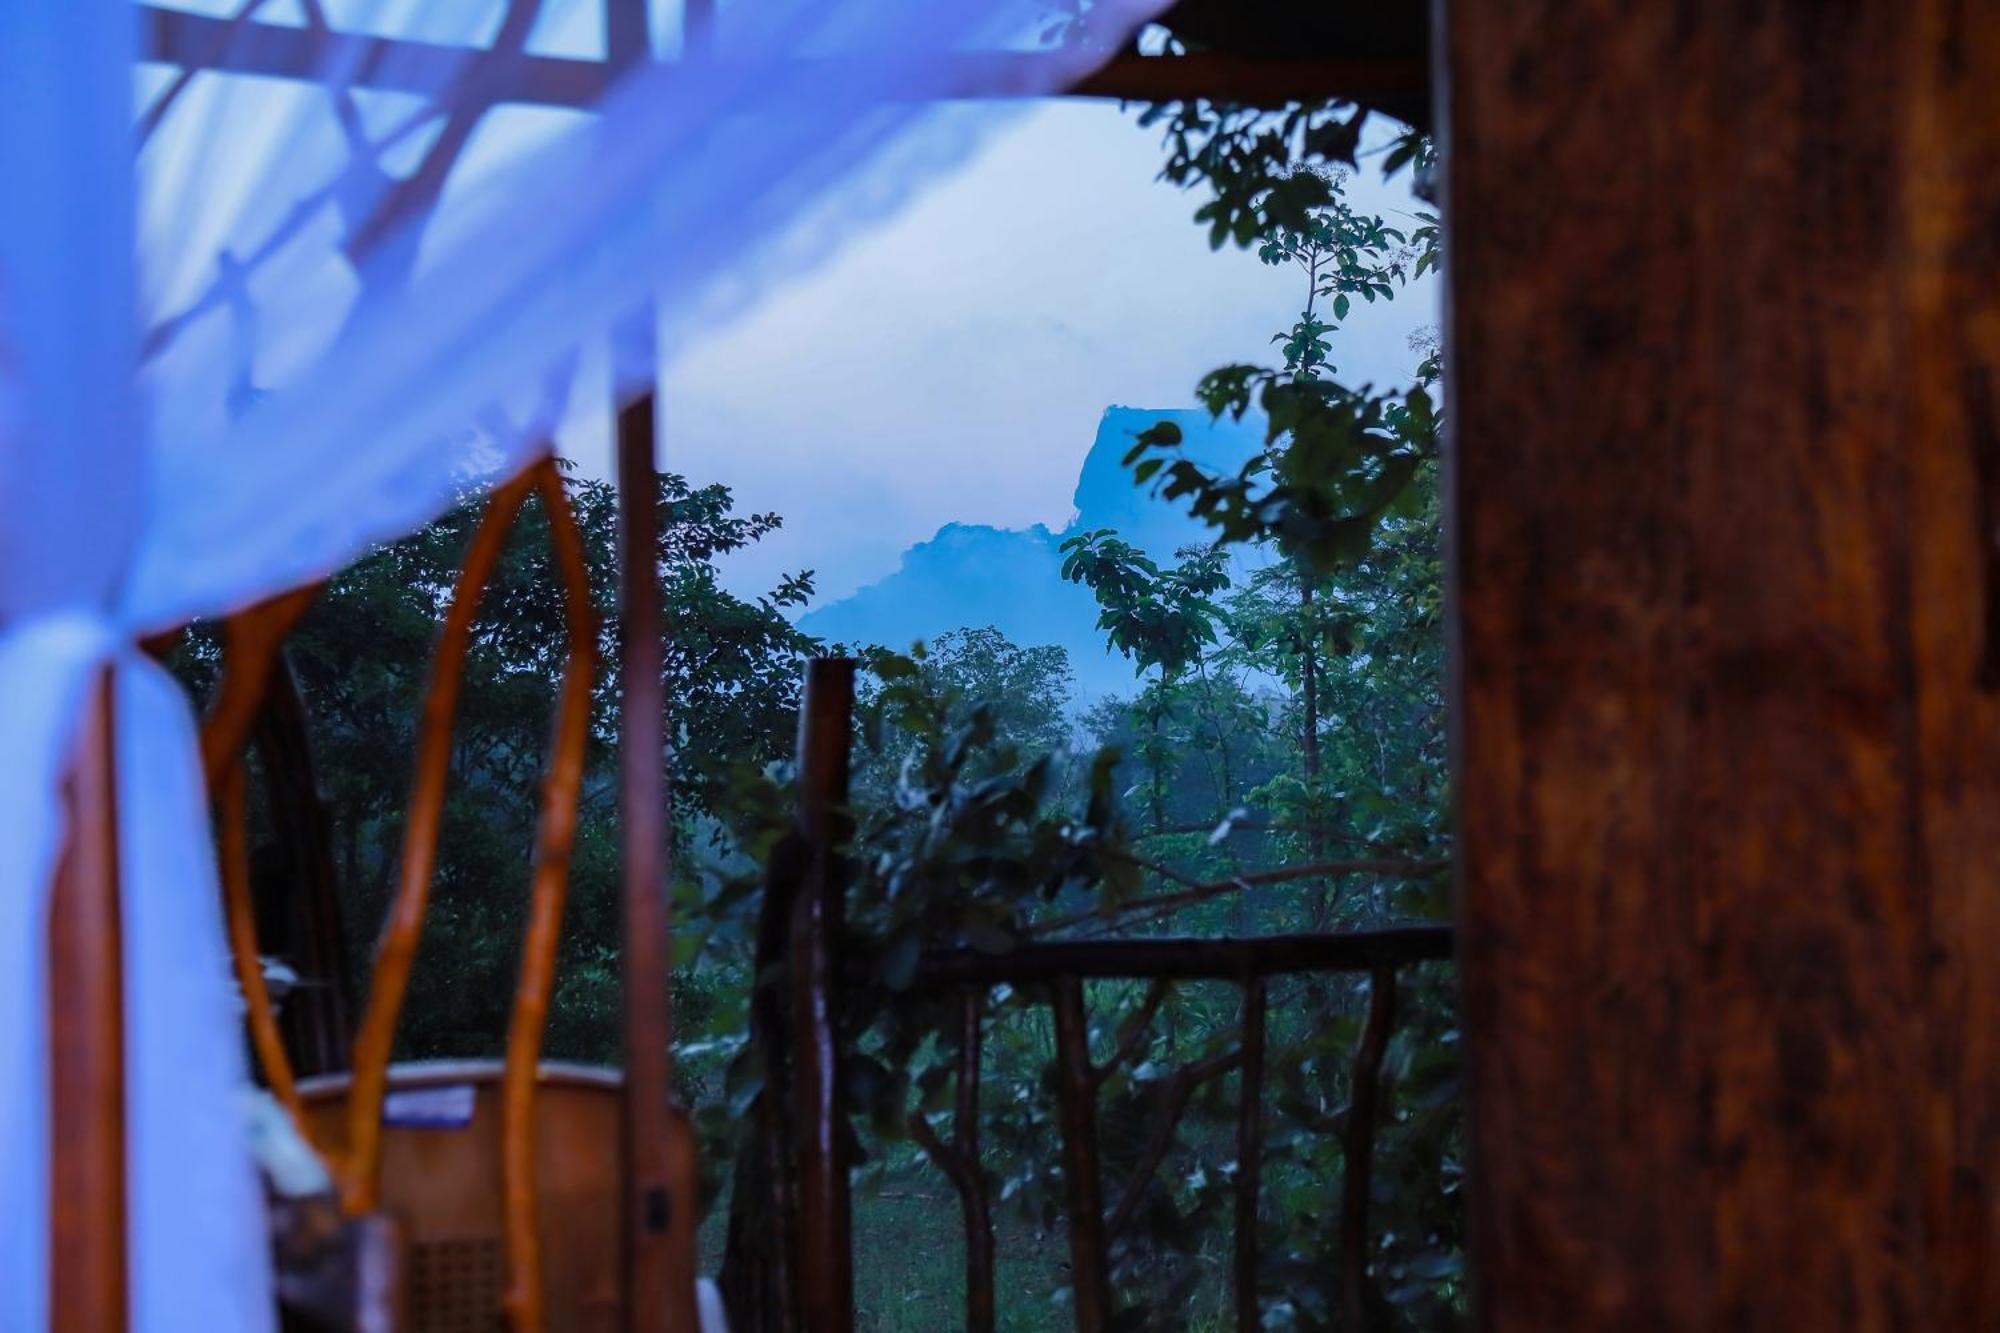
x: 362, y: 658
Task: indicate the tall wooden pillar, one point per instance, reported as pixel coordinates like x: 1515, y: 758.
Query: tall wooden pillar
x: 660, y: 1153
x: 1725, y: 487
x: 88, y: 1251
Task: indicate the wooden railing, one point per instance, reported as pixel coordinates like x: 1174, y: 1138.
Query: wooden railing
x: 799, y: 1277
x: 1060, y: 970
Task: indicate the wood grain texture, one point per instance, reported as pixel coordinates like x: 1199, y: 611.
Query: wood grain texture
x: 661, y: 1184
x: 88, y: 1289
x: 445, y: 1187
x: 1724, y: 339
x: 825, y: 1271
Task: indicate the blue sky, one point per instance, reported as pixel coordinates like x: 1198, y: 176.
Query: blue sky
x: 952, y: 365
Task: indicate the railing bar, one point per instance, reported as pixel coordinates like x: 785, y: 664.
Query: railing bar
x: 959, y: 1160
x: 1188, y: 958
x: 762, y: 1235
x: 1249, y: 1155
x: 1358, y: 1147
x: 979, y: 1308
x: 1076, y: 1091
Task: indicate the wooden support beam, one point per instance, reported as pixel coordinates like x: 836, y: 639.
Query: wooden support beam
x: 197, y: 41
x: 88, y: 1288
x: 819, y: 1119
x: 1725, y: 432
x: 274, y: 50
x: 659, y: 1142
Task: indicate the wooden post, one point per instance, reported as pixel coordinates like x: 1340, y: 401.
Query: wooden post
x: 825, y: 1258
x: 88, y: 1290
x: 1357, y: 1150
x: 659, y: 1144
x: 1083, y: 1184
x: 1249, y: 1154
x: 1724, y: 482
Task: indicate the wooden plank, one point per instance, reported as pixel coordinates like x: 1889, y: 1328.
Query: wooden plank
x: 819, y: 1119
x: 660, y: 1165
x: 1724, y: 342
x: 1188, y: 957
x: 88, y: 1291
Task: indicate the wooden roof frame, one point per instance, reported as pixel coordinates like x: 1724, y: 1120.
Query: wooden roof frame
x: 247, y: 46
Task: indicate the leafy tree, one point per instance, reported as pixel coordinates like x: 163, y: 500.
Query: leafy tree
x: 1025, y: 690
x: 1160, y: 618
x: 362, y: 657
x: 1338, y: 460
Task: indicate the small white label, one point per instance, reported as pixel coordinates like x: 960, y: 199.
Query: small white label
x: 448, y: 1107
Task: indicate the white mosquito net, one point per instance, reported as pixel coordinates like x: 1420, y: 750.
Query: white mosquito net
x: 365, y: 249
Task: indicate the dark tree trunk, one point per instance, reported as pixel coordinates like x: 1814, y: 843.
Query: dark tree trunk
x: 1309, y: 640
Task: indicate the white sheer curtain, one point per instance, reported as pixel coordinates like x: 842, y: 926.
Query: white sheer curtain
x: 277, y: 342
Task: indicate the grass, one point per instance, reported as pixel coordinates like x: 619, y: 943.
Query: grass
x: 909, y: 1263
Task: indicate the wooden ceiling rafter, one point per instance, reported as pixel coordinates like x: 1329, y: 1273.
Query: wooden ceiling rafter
x: 202, y: 42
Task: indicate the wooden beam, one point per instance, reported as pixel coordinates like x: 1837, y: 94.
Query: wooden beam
x: 1188, y: 958
x: 196, y: 41
x: 659, y: 1146
x: 1255, y: 81
x: 1725, y: 431
x: 272, y: 50
x: 88, y: 1289
x: 819, y: 1118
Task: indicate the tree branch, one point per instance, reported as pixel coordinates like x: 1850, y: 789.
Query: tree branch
x: 1180, y: 1088
x: 1134, y: 1029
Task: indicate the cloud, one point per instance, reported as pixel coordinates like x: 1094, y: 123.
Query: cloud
x: 951, y: 366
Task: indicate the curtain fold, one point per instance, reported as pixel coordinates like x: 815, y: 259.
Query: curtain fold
x: 345, y: 307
